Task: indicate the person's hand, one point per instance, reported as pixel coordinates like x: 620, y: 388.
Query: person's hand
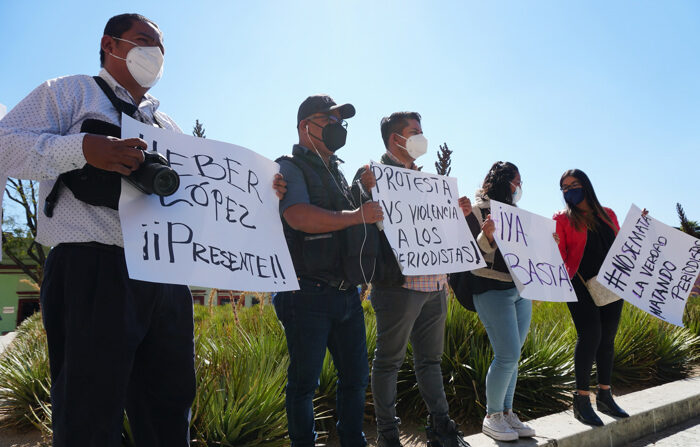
x: 279, y: 184
x: 368, y: 179
x: 369, y: 212
x: 556, y: 237
x: 466, y: 205
x: 488, y: 228
x: 114, y: 154
x: 645, y: 212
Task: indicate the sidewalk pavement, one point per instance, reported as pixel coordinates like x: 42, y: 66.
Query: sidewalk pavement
x: 682, y: 435
x: 651, y: 411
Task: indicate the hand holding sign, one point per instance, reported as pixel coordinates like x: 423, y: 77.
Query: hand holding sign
x: 279, y: 184
x: 466, y: 205
x: 489, y: 228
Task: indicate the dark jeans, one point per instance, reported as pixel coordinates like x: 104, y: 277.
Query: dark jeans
x: 596, y: 328
x: 315, y: 318
x: 116, y: 343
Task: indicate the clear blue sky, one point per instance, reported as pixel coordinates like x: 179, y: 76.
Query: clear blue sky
x: 612, y: 88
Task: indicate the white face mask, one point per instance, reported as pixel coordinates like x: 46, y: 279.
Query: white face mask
x: 517, y: 194
x: 144, y: 63
x: 416, y: 145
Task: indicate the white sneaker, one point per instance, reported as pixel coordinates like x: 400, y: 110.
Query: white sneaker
x: 523, y: 430
x: 498, y: 428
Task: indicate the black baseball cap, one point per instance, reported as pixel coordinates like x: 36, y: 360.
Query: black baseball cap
x: 323, y: 104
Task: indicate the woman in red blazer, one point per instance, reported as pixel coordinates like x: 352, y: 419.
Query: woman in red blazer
x: 586, y: 232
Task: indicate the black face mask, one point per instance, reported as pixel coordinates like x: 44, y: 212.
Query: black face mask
x: 333, y: 135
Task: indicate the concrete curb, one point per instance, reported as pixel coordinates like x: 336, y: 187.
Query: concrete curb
x: 650, y: 410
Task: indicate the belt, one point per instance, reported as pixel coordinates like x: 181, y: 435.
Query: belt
x: 98, y: 245
x: 339, y: 284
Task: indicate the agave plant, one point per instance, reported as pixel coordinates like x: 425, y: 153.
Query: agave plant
x: 24, y: 378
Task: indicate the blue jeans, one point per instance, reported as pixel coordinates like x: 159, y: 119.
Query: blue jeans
x: 315, y: 318
x: 506, y: 317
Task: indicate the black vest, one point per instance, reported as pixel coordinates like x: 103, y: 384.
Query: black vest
x: 318, y: 255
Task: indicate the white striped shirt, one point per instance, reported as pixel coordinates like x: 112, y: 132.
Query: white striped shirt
x: 40, y: 138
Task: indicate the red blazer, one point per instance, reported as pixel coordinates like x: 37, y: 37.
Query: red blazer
x: 572, y: 242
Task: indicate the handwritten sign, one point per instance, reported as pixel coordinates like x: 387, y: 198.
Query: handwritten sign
x: 220, y: 229
x: 652, y: 266
x: 527, y: 244
x: 423, y: 221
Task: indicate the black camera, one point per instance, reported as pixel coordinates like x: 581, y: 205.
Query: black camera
x: 155, y: 176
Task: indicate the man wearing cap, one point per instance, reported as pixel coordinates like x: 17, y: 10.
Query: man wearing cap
x: 326, y: 311
x: 409, y: 308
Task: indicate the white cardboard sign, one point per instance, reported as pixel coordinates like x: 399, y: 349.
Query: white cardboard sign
x: 423, y: 221
x: 527, y: 244
x: 652, y: 266
x: 222, y: 227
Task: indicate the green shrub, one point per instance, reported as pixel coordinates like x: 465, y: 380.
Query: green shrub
x: 24, y: 378
x: 242, y: 365
x: 241, y: 373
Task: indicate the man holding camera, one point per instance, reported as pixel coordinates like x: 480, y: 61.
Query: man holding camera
x: 326, y: 311
x: 114, y: 343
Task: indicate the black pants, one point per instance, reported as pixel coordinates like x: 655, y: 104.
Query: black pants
x: 596, y: 328
x: 116, y: 343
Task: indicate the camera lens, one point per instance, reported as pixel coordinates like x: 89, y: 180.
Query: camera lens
x: 165, y: 181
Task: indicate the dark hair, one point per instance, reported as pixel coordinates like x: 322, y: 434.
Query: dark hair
x: 118, y: 25
x: 396, y: 123
x: 580, y: 219
x: 496, y: 185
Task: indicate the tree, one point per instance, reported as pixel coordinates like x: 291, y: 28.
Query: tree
x: 687, y: 226
x: 18, y: 242
x: 198, y: 130
x: 442, y: 166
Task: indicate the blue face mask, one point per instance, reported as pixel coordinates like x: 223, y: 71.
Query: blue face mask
x: 574, y: 196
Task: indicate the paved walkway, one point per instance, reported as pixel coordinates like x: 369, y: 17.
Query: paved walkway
x: 686, y: 434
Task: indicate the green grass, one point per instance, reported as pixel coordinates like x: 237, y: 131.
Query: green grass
x: 242, y: 364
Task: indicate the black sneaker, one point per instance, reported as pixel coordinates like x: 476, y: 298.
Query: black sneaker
x: 444, y: 434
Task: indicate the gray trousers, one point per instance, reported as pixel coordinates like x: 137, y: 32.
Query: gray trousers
x: 404, y: 315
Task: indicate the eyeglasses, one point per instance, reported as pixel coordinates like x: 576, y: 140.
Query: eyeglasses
x: 331, y: 119
x: 515, y: 185
x: 573, y: 185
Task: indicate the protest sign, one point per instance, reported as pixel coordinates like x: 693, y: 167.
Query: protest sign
x: 652, y: 266
x: 423, y: 221
x: 527, y: 244
x: 222, y: 227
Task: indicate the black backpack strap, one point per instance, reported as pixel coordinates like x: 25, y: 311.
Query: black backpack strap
x: 120, y: 105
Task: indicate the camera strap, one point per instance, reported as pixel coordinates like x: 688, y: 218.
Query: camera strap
x: 121, y: 106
